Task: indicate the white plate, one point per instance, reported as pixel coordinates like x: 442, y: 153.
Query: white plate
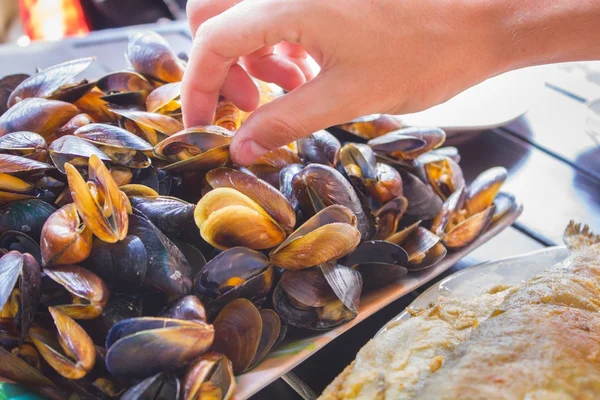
x: 479, y: 278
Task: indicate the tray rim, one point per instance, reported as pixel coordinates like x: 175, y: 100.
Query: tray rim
x: 329, y: 336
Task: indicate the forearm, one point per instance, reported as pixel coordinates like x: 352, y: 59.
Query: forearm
x: 533, y: 32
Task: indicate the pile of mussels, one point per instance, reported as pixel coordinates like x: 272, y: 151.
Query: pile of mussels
x: 139, y: 262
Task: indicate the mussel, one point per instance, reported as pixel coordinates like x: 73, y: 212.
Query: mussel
x: 318, y: 298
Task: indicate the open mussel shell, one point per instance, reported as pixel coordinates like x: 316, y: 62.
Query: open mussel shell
x: 264, y: 172
x: 73, y: 150
x: 265, y: 195
x: 93, y: 105
x: 468, y: 230
x: 123, y: 81
x: 27, y: 144
x: 424, y: 249
x: 72, y: 354
x: 167, y: 269
x: 174, y: 344
x: 234, y: 273
x: 504, y: 202
x: 171, y: 215
x: 161, y: 386
x: 451, y: 214
x: 146, y: 120
x: 443, y: 174
x: 359, y: 163
x: 91, y: 292
x: 408, y: 143
x: 15, y: 265
x: 123, y: 147
x: 123, y: 264
x: 99, y: 202
x: 27, y: 216
x: 309, y: 299
x: 319, y: 186
x: 210, y: 376
x: 150, y: 55
x: 483, y: 190
x: 372, y: 126
x: 244, y: 334
x: 163, y: 98
x: 379, y: 262
x: 228, y: 218
x: 328, y: 235
x: 193, y: 141
x: 37, y: 115
x: 49, y: 81
x: 423, y: 203
x: 65, y: 239
x: 321, y: 147
x: 388, y: 217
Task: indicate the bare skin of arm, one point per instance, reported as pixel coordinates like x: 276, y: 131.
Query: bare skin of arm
x: 376, y: 56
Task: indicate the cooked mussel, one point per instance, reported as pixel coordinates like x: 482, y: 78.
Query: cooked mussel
x: 99, y: 202
x: 53, y: 83
x: 90, y: 294
x: 423, y: 202
x: 150, y: 55
x: 37, y: 115
x: 171, y: 215
x: 406, y: 144
x: 65, y: 239
x: 372, y: 126
x: 19, y: 302
x: 379, y: 262
x: 318, y: 186
x: 210, y: 377
x: 159, y: 386
x: 174, y: 344
x: 389, y: 216
x: 165, y: 99
x: 121, y: 146
x: 27, y: 216
x: 26, y: 144
x: 318, y: 298
x: 468, y: 212
x: 236, y: 272
x: 321, y: 147
x: 244, y: 334
x: 442, y: 173
x: 265, y: 195
x: 74, y: 150
x: 228, y: 218
x: 330, y: 234
x: 199, y: 148
x: 70, y: 351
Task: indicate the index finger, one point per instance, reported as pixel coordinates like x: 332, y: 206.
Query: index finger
x: 220, y: 41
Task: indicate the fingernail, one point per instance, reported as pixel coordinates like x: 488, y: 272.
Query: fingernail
x: 248, y: 152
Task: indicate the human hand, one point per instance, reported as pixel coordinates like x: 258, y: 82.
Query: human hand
x: 384, y: 56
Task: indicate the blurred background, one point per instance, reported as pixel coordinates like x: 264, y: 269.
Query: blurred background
x: 22, y: 21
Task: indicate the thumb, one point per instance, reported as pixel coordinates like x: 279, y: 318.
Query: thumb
x: 318, y: 104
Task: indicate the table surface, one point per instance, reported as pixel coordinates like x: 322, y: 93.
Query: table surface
x: 553, y: 164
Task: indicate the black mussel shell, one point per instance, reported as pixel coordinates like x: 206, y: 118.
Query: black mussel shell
x: 15, y: 240
x: 168, y: 270
x: 120, y: 306
x: 171, y: 215
x: 162, y: 386
x: 26, y: 216
x: 423, y: 203
x: 122, y: 265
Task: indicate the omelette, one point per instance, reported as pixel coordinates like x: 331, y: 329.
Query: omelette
x: 537, y: 340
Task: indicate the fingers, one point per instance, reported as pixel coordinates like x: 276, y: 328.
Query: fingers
x: 296, y: 54
x: 269, y: 67
x: 318, y: 104
x: 218, y: 44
